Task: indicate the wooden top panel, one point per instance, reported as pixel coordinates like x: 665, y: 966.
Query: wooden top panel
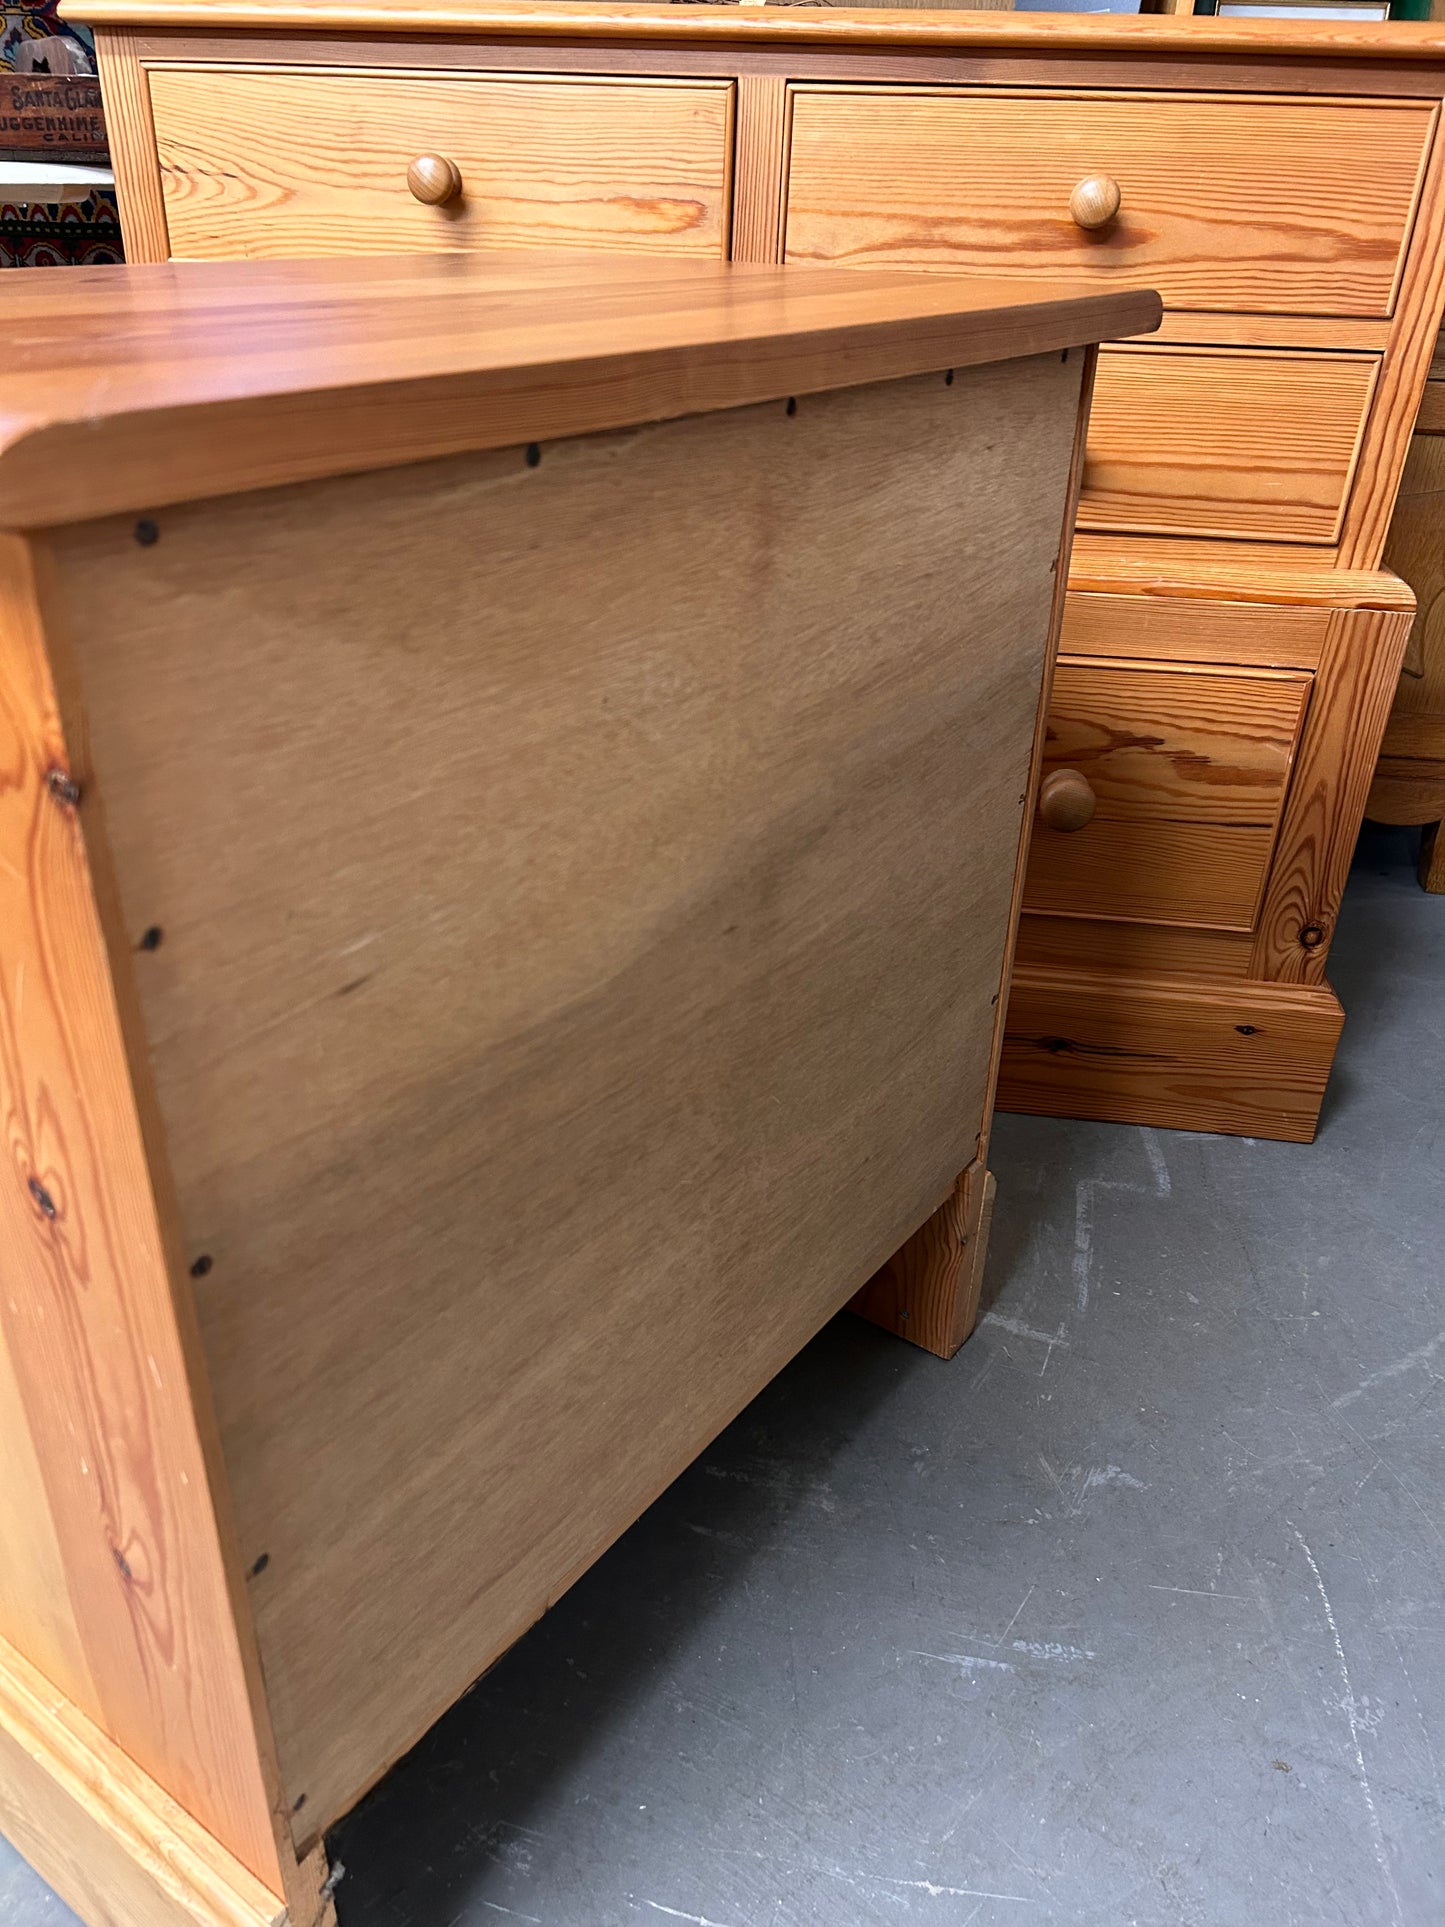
x: 128, y: 387
x: 869, y: 27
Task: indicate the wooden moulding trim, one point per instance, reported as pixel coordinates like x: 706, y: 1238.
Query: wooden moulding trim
x: 1123, y: 568
x: 1235, y: 1056
x: 110, y: 1841
x: 866, y: 27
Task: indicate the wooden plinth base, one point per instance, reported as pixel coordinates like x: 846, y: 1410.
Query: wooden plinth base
x: 110, y: 1842
x: 1248, y: 1058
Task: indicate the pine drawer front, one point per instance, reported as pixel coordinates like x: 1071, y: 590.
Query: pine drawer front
x: 1227, y: 203
x: 1190, y: 767
x: 268, y: 163
x: 1219, y: 441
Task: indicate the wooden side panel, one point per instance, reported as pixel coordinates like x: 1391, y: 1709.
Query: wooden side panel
x: 1247, y: 1058
x: 109, y: 1840
x: 270, y: 163
x: 1409, y: 784
x: 579, y: 956
x: 125, y: 89
x: 1351, y: 699
x: 1413, y: 339
x: 35, y: 1609
x: 1226, y: 202
x: 86, y: 1312
x: 1198, y: 441
x: 1189, y: 767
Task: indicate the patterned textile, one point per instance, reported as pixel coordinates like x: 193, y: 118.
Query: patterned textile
x: 33, y: 39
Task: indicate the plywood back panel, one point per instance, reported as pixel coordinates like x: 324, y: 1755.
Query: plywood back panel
x: 583, y: 891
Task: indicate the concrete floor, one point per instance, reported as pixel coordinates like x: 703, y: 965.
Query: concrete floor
x: 1133, y: 1616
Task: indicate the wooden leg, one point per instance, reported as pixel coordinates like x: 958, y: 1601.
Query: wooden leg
x: 1432, y: 860
x: 929, y: 1289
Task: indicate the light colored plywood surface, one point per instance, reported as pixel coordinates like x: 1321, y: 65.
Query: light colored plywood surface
x: 130, y: 388
x: 1226, y: 203
x: 1196, y: 442
x: 270, y: 163
x: 584, y: 891
x: 1246, y: 1058
x: 90, y: 1329
x: 1189, y: 767
x: 108, y: 1839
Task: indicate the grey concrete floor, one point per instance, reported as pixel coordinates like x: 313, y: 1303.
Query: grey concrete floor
x: 1132, y: 1616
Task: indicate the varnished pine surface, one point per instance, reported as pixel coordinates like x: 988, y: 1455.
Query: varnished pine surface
x: 1229, y: 202
x: 263, y: 164
x: 128, y: 387
x: 1189, y: 768
x: 1224, y: 442
x: 841, y: 27
x: 141, y: 1633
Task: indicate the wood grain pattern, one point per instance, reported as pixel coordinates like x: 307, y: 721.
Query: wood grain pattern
x: 1431, y: 418
x: 89, y: 1325
x: 1409, y: 781
x: 1189, y: 768
x: 268, y: 163
x: 1246, y: 1058
x: 117, y: 397
x: 559, y: 1051
x: 1147, y: 949
x: 931, y: 1288
x: 1228, y: 203
x: 1191, y: 441
x: 1184, y: 629
x: 1351, y: 700
x: 35, y: 1609
x: 1275, y: 573
x: 1273, y: 331
x: 1408, y: 358
x: 110, y: 1841
x: 877, y: 28
x: 125, y: 88
x: 759, y: 167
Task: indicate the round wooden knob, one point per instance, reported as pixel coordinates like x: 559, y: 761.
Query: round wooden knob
x: 1095, y: 201
x: 434, y: 179
x: 1066, y: 799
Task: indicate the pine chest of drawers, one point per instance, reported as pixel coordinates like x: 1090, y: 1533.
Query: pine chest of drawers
x: 1231, y: 641
x: 481, y: 983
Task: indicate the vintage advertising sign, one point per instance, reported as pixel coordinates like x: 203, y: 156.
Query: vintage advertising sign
x: 56, y: 114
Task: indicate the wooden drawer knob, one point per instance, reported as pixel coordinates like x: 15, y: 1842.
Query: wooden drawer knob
x: 434, y: 179
x: 1095, y: 201
x: 1066, y: 799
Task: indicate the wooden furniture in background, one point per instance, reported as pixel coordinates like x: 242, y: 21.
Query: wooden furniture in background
x: 1231, y: 641
x: 1409, y: 785
x: 469, y: 1009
